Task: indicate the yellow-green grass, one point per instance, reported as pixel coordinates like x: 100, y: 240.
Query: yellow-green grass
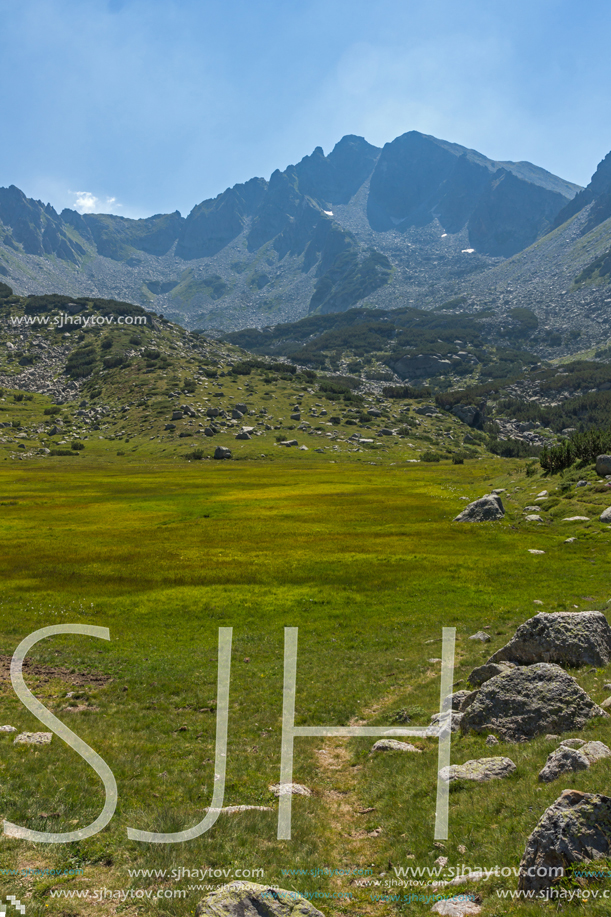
x: 367, y: 563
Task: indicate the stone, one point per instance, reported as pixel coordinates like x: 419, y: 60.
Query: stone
x: 455, y: 722
x: 541, y: 494
x: 289, y: 789
x: 459, y: 906
x: 289, y: 442
x: 468, y: 413
x: 236, y: 415
x: 576, y: 519
x: 606, y: 703
x: 576, y: 828
x: 212, y: 412
x: 177, y: 415
x: 567, y: 638
x: 570, y: 540
x: 303, y: 449
x: 572, y: 743
x: 222, y: 452
x: 605, y: 516
x: 551, y: 737
x: 535, y: 551
x: 595, y: 751
x: 530, y: 700
x: 7, y: 729
x: 486, y: 509
x: 235, y: 810
x: 170, y: 426
x: 208, y: 431
x: 485, y: 672
x: 491, y: 740
x: 533, y: 517
x: 242, y: 408
x: 481, y: 770
x: 393, y: 745
x: 481, y: 635
x: 296, y: 416
x: 243, y: 435
x: 461, y: 700
x: 373, y: 412
x: 603, y: 464
x: 248, y: 899
x: 563, y: 761
x: 33, y: 738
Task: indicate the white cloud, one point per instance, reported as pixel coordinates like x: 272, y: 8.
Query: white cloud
x: 86, y: 202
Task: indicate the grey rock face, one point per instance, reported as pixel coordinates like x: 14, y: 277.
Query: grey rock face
x: 486, y: 509
x: 485, y: 672
x: 530, y: 700
x: 573, y: 639
x: 394, y: 745
x: 576, y: 828
x: 480, y: 770
x: 462, y: 699
x: 563, y: 761
x: 221, y: 452
x: 603, y: 464
x: 248, y: 899
x: 595, y: 751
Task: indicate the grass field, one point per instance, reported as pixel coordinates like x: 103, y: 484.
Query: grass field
x: 366, y: 562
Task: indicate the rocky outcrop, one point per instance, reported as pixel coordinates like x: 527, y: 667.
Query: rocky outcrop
x: 566, y: 760
x: 486, y: 509
x: 568, y: 638
x: 528, y: 701
x: 576, y: 828
x: 485, y: 672
x: 603, y: 464
x: 248, y: 899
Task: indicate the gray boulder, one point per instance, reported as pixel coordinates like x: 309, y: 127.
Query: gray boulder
x: 528, y: 701
x: 221, y: 452
x: 248, y: 899
x: 603, y: 465
x: 576, y: 828
x: 243, y: 435
x: 481, y: 635
x: 480, y: 770
x: 567, y: 638
x: 33, y: 738
x: 563, y: 761
x: 462, y: 699
x: 485, y: 672
x: 605, y: 516
x: 394, y: 745
x: 486, y: 509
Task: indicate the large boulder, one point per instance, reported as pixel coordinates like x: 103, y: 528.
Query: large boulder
x: 487, y: 508
x: 527, y: 701
x: 248, y: 899
x: 221, y: 452
x: 603, y: 464
x: 567, y: 638
x: 605, y: 516
x: 576, y: 828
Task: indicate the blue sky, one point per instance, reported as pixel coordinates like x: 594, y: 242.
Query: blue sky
x: 147, y: 106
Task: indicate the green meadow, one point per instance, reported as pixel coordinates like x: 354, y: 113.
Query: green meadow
x: 364, y: 559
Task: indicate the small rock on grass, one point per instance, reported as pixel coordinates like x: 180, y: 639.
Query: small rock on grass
x: 572, y: 743
x: 7, y: 729
x: 248, y: 898
x: 460, y: 906
x: 481, y: 635
x: 289, y: 789
x: 480, y: 770
x: 569, y: 759
x: 535, y: 551
x: 33, y: 738
x: 492, y: 740
x: 393, y: 745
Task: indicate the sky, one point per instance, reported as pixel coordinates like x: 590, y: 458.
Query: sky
x: 138, y: 107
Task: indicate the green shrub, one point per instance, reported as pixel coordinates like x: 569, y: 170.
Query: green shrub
x: 77, y: 445
x: 429, y: 456
x: 51, y: 412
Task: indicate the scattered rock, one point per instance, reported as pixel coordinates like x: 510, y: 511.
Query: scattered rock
x: 235, y: 810
x: 530, y: 700
x: 603, y: 464
x: 460, y: 906
x: 221, y: 452
x: 289, y: 442
x: 480, y: 770
x: 535, y: 551
x: 576, y: 519
x: 486, y: 672
x: 33, y: 738
x: 552, y: 737
x: 595, y: 751
x: 491, y: 740
x: 485, y: 509
x: 606, y: 703
x: 481, y: 635
x: 567, y: 638
x: 289, y: 789
x: 7, y: 729
x: 563, y: 761
x: 542, y: 494
x: 177, y: 415
x: 243, y: 435
x: 461, y: 700
x: 393, y: 745
x: 570, y: 540
x: 605, y: 516
x: 248, y: 899
x: 576, y: 828
x: 533, y: 517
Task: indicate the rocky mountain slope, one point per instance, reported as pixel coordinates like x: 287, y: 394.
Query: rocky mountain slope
x: 413, y: 222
